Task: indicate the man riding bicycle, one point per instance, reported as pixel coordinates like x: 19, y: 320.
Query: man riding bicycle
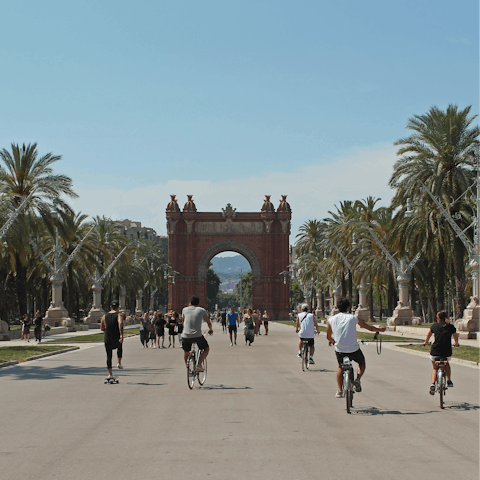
x: 442, y: 347
x: 306, y: 327
x: 192, y: 317
x: 342, y: 332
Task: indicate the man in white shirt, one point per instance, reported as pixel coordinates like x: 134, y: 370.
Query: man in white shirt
x: 306, y: 326
x: 342, y: 332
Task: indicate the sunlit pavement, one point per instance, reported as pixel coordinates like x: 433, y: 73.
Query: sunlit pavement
x: 257, y: 417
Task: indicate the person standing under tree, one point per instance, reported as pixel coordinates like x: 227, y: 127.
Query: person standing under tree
x: 112, y: 325
x: 38, y: 327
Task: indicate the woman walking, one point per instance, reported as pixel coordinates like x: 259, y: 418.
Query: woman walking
x: 26, y: 327
x: 265, y: 321
x: 144, y: 330
x: 172, y: 324
x: 38, y: 327
x: 179, y: 329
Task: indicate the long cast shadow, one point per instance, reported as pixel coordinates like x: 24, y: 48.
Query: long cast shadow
x: 224, y: 387
x: 36, y: 372
x: 376, y: 411
x: 464, y: 407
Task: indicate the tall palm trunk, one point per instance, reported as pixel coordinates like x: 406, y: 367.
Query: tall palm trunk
x: 441, y: 279
x: 459, y: 252
x: 391, y: 294
x: 21, y: 284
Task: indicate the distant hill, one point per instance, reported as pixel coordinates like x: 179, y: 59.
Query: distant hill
x: 234, y: 264
x: 228, y: 269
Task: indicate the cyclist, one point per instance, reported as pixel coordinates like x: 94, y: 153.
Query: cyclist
x: 442, y: 347
x: 342, y: 332
x: 192, y: 317
x: 306, y: 327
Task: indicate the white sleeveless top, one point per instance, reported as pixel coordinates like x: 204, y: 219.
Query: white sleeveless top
x: 307, y: 327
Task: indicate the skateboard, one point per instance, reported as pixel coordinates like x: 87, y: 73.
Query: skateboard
x: 111, y: 380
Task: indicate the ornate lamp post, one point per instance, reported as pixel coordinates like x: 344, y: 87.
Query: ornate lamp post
x: 57, y: 312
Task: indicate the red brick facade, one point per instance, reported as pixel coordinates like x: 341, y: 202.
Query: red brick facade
x: 194, y: 238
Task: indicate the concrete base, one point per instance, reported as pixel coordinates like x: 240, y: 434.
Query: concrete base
x: 56, y: 316
x: 467, y: 335
x: 94, y: 315
x: 469, y: 322
x: 363, y: 313
x: 403, y: 316
x: 334, y: 311
x: 319, y: 313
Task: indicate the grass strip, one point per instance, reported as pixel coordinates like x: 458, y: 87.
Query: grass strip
x: 363, y: 335
x: 7, y: 354
x: 464, y: 352
x: 93, y: 338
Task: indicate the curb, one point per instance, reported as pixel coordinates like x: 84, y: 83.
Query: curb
x: 7, y: 364
x: 49, y: 354
x: 457, y: 361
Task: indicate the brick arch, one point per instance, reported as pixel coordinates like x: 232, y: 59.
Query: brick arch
x: 229, y: 246
x: 262, y: 237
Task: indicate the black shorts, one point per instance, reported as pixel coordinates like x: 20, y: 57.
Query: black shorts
x: 224, y: 323
x: 200, y: 341
x: 232, y: 328
x: 160, y: 332
x: 311, y: 341
x: 356, y: 356
x: 265, y: 322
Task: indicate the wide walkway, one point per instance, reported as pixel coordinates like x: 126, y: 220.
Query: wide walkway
x: 258, y: 417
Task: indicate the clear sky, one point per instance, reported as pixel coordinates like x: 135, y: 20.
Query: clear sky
x: 229, y: 100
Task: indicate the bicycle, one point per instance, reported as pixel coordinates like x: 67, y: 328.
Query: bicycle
x: 192, y: 371
x: 304, y: 354
x: 348, y: 386
x: 441, y: 380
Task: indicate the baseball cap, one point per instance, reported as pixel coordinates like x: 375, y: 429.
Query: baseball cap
x: 115, y: 304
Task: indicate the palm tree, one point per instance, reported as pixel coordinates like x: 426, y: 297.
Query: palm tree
x: 441, y: 153
x: 23, y: 173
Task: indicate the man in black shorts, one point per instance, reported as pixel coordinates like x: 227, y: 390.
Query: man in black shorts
x: 160, y: 323
x: 112, y: 325
x: 192, y: 318
x: 232, y: 317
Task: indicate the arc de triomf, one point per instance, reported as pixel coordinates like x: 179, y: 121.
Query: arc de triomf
x: 194, y: 238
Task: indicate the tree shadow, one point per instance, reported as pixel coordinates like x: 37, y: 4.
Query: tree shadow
x: 377, y: 411
x: 37, y: 372
x: 320, y: 370
x: 224, y: 387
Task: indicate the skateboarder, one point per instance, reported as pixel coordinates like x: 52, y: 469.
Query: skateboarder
x: 112, y: 325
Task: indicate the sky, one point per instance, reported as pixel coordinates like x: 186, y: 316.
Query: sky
x: 229, y: 100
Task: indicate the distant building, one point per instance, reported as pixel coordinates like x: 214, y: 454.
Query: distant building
x: 135, y: 231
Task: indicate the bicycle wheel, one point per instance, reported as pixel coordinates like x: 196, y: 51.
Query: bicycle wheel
x: 441, y: 386
x: 191, y: 372
x: 347, y: 390
x: 307, y: 357
x: 303, y: 356
x: 202, y: 376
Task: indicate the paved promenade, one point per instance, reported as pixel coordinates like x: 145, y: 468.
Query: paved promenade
x: 258, y: 416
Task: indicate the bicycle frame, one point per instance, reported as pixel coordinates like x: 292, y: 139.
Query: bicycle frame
x: 441, y: 381
x: 305, y: 354
x: 348, y: 390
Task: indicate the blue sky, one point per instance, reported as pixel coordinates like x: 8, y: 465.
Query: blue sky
x: 229, y: 100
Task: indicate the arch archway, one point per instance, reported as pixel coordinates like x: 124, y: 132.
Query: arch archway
x: 194, y: 238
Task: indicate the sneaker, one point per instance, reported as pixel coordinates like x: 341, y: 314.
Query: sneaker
x: 299, y: 355
x: 432, y: 389
x: 163, y: 346
x: 231, y: 344
x: 119, y: 366
x: 200, y: 369
x: 110, y: 377
x: 358, y: 387
x: 339, y: 394
x: 235, y: 343
x: 311, y: 362
x: 449, y: 384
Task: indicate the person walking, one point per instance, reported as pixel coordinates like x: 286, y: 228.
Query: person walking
x: 26, y: 327
x: 256, y: 317
x: 152, y: 333
x: 179, y: 329
x: 160, y: 328
x: 112, y: 326
x: 232, y: 325
x: 38, y: 327
x: 172, y: 325
x: 224, y: 320
x: 144, y: 333
x: 265, y: 321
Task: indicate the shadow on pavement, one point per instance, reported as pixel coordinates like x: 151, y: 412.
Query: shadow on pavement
x: 224, y: 387
x: 377, y: 411
x: 465, y: 407
x: 320, y: 370
x: 36, y: 372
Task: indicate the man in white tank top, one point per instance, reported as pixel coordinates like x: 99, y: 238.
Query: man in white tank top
x: 342, y: 332
x: 306, y: 327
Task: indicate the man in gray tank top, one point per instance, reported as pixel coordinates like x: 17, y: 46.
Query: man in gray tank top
x: 192, y: 318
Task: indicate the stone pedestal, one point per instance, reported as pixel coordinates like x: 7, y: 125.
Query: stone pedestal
x: 4, y: 331
x: 362, y: 312
x: 319, y: 313
x: 336, y: 295
x: 470, y: 320
x: 403, y: 314
x: 96, y: 312
x: 57, y: 314
x: 138, y: 307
